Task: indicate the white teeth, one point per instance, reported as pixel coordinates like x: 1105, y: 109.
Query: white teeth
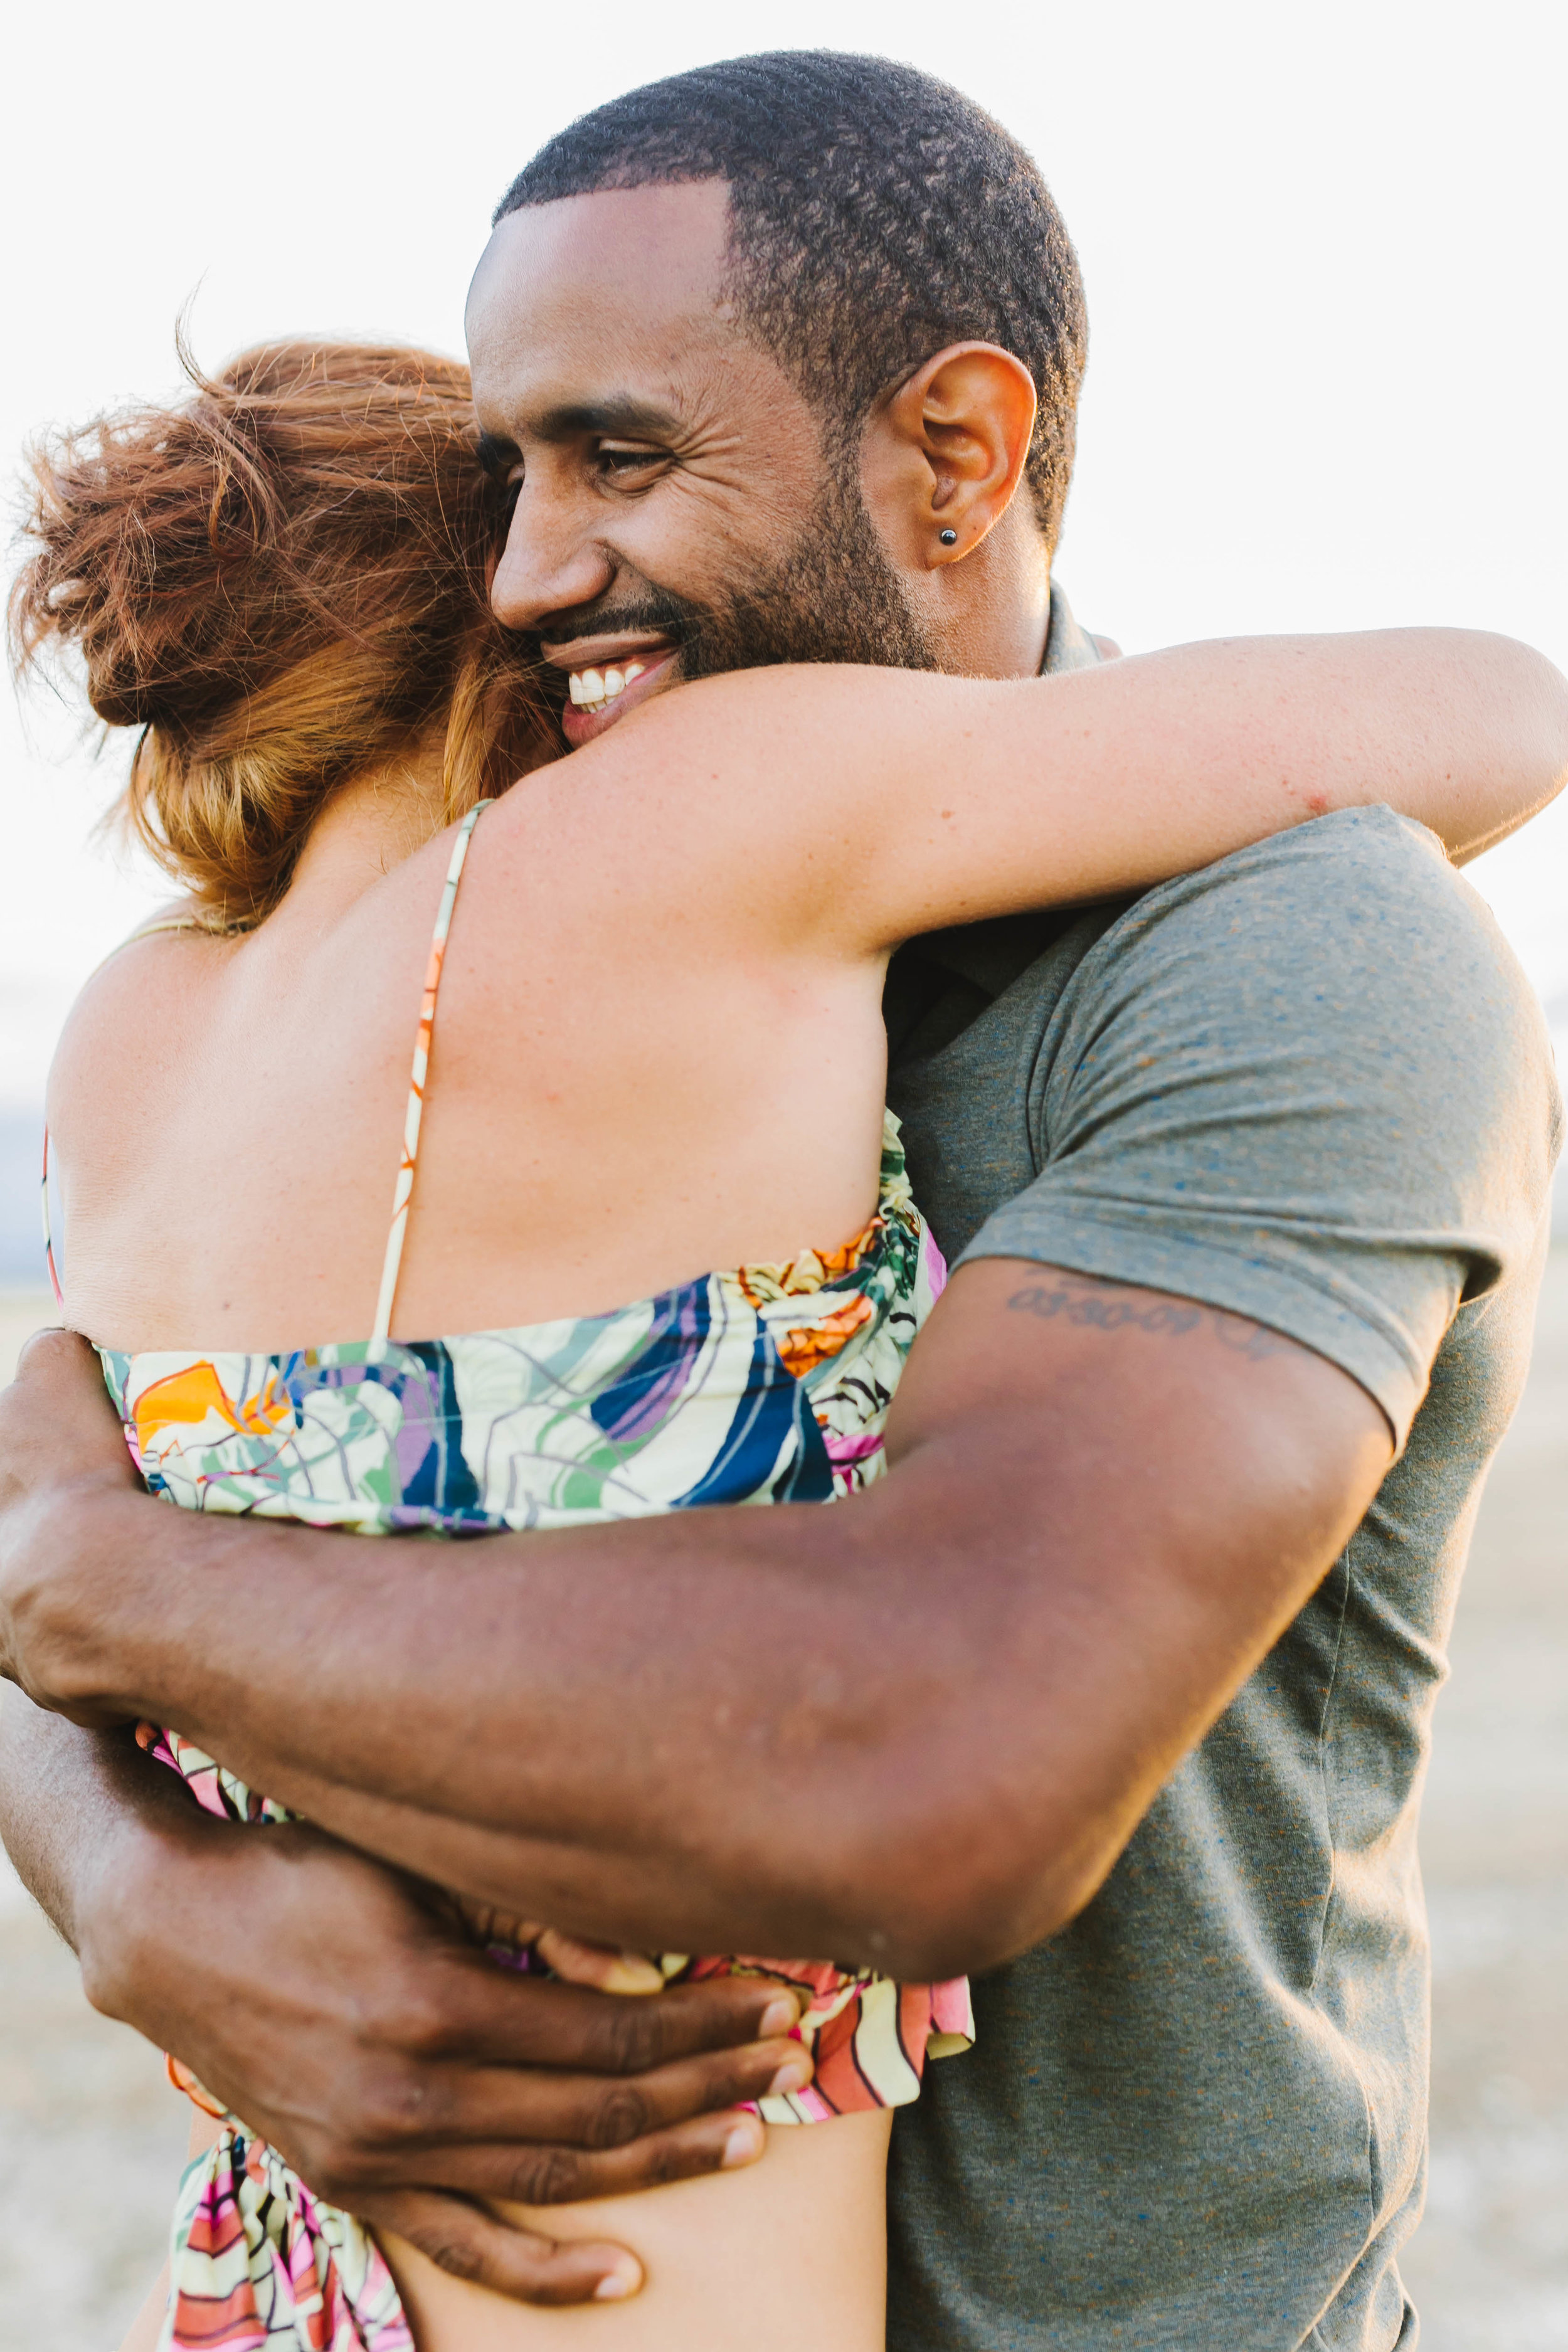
x: 590, y: 689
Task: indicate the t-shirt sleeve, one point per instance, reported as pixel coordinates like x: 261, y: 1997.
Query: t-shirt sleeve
x: 1309, y: 1084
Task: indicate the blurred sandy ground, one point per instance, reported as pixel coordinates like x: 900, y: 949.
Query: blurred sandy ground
x: 92, y: 2138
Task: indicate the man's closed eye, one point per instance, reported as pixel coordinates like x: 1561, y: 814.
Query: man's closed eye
x: 626, y: 462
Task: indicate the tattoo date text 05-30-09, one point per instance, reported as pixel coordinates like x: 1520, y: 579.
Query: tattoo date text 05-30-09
x: 1100, y: 1307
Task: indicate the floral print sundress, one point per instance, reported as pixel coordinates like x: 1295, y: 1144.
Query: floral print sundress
x: 764, y: 1384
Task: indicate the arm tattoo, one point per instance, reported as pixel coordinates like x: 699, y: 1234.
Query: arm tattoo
x: 1096, y: 1306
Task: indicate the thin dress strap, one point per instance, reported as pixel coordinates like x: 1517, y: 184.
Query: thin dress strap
x: 403, y: 1189
x: 178, y: 923
x: 49, y: 1233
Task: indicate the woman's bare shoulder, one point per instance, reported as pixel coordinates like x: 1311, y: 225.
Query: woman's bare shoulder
x: 124, y: 1005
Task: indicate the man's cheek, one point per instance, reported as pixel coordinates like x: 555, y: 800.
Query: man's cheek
x: 698, y: 538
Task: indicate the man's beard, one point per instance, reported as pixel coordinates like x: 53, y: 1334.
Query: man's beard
x: 833, y: 597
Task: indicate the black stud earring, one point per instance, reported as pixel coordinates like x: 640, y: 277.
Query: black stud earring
x: 948, y: 537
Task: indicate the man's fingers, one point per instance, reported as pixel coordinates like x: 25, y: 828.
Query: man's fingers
x: 541, y: 2139
x: 543, y: 2176
x: 589, y: 2111
x: 51, y: 1351
x: 487, y: 2013
x: 537, y: 2137
x: 469, y: 2244
x: 58, y: 1393
x: 57, y: 1429
x: 602, y: 1966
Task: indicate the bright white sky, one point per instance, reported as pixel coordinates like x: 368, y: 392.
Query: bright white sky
x: 1323, y: 246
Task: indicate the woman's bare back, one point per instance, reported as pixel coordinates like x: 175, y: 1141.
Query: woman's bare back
x: 627, y: 1087
x: 722, y: 2260
x: 611, y: 1086
x: 785, y: 2254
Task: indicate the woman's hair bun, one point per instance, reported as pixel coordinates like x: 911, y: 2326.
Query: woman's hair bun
x: 280, y: 579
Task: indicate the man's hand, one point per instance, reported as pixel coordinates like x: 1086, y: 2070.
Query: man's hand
x: 405, y: 2075
x: 60, y: 1441
x: 337, y: 2008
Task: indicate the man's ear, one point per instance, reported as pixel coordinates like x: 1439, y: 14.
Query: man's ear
x: 945, y: 454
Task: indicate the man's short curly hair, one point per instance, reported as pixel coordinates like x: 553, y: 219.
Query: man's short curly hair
x: 877, y: 214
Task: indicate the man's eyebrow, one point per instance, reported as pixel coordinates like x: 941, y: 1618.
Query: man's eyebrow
x: 625, y: 418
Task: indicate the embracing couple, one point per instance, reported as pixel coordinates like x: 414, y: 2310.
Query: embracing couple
x: 982, y: 1914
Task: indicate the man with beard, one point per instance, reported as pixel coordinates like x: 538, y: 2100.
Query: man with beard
x: 761, y: 349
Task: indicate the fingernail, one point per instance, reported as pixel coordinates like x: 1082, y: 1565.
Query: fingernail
x: 792, y: 2075
x: 779, y: 2017
x: 632, y: 1972
x: 743, y: 2145
x: 615, y: 2286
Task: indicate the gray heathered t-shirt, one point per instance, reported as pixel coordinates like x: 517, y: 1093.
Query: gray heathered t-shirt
x: 1311, y: 1086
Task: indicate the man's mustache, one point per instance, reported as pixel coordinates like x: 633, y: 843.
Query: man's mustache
x: 662, y: 615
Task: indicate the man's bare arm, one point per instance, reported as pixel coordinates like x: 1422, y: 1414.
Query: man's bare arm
x: 914, y: 1730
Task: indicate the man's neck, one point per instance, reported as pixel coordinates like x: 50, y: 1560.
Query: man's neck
x: 1068, y: 646
x: 1001, y: 614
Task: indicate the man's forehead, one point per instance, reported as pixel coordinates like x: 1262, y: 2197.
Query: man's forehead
x: 597, y: 290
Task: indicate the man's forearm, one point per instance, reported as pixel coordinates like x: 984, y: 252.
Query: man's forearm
x: 638, y: 1730
x: 914, y: 1729
x: 74, y: 1805
x: 722, y: 1731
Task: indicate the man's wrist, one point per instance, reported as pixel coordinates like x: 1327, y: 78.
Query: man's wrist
x: 160, y: 1861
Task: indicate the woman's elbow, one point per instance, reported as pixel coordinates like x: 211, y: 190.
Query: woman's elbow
x: 1532, y: 694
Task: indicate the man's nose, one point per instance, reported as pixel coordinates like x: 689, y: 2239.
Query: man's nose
x: 551, y: 562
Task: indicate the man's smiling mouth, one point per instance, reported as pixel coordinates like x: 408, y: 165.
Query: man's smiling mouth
x: 606, y: 679
x: 594, y: 691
